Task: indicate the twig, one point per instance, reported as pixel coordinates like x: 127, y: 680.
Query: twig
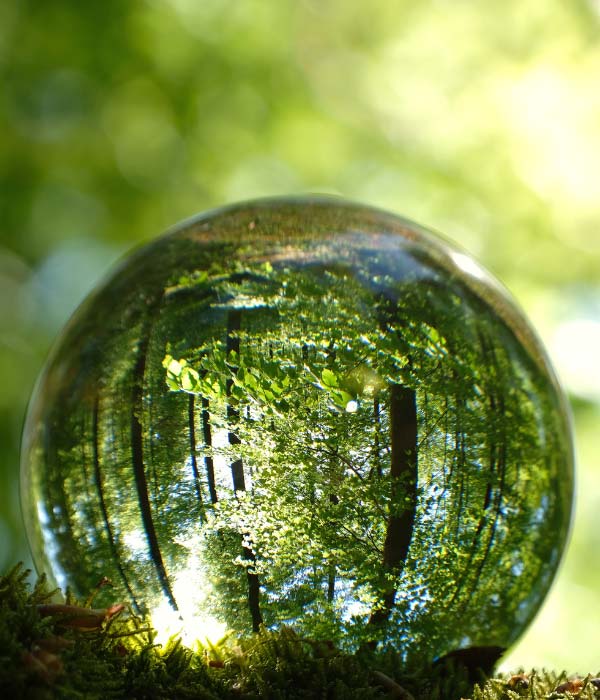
x: 397, y: 692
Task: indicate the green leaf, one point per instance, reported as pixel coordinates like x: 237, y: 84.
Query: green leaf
x: 341, y: 398
x: 328, y: 378
x: 173, y: 366
x: 190, y: 379
x: 251, y: 381
x: 276, y: 388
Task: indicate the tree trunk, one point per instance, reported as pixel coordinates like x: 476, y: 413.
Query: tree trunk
x: 494, y: 494
x: 237, y: 470
x: 208, y: 460
x: 137, y: 454
x: 103, y: 509
x: 195, y: 472
x: 403, y: 501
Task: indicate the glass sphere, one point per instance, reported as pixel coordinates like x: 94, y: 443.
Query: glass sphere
x: 305, y: 413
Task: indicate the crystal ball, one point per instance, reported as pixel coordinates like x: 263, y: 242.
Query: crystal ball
x: 303, y: 413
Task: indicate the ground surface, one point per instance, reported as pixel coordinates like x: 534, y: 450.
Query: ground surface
x: 72, y: 650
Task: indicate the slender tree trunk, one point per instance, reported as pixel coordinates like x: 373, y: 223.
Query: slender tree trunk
x: 234, y: 321
x: 502, y: 466
x: 331, y: 575
x: 459, y: 460
x: 208, y: 459
x: 195, y: 472
x: 141, y: 484
x: 403, y: 501
x: 237, y: 470
x: 98, y: 482
x: 492, y: 506
x: 61, y: 516
x: 84, y: 459
x: 334, y: 526
x: 446, y: 434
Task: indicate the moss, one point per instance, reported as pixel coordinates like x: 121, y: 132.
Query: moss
x: 67, y: 650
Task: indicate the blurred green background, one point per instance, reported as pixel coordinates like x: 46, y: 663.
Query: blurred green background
x: 481, y: 120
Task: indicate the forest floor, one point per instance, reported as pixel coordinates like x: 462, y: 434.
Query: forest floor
x: 71, y: 650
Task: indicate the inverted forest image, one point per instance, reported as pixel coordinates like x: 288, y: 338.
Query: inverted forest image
x: 309, y: 414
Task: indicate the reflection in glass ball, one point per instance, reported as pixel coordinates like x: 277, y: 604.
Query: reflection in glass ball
x: 304, y: 413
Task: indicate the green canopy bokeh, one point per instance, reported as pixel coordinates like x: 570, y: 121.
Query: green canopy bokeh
x: 480, y: 120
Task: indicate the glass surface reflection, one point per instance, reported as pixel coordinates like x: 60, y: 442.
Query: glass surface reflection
x: 309, y: 413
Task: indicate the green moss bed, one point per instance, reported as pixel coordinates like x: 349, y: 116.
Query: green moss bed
x: 72, y: 650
